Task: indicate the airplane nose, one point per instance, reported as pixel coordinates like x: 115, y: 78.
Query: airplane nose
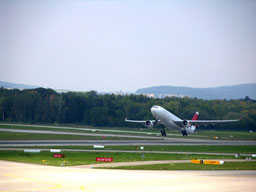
x: 153, y: 110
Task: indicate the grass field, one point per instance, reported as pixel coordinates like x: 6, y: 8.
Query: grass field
x: 228, y: 135
x: 248, y: 165
x: 186, y: 148
x: 245, y: 149
x: 37, y: 136
x: 83, y: 158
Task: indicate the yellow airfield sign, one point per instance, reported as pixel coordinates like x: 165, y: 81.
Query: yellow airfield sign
x: 196, y: 161
x: 207, y: 162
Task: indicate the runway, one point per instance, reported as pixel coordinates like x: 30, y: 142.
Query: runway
x: 76, y: 133
x: 87, y: 129
x: 28, y: 177
x: 118, y: 139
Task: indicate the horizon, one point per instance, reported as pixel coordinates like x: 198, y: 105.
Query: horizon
x: 125, y: 91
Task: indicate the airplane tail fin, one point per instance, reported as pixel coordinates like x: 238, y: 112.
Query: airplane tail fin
x: 196, y: 115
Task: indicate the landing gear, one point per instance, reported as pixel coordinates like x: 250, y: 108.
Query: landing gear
x: 184, y: 133
x: 163, y: 132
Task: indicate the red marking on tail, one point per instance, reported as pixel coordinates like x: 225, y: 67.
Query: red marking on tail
x: 195, y: 117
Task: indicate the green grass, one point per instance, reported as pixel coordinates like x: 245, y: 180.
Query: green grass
x: 46, y: 128
x: 173, y: 148
x: 37, y: 136
x: 83, y: 158
x: 191, y: 148
x: 248, y: 165
x: 42, y: 128
x: 228, y: 135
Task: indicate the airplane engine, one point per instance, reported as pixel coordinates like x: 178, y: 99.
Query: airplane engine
x: 149, y: 124
x: 191, y: 129
x: 185, y: 123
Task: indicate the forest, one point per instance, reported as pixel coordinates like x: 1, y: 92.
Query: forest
x: 45, y: 106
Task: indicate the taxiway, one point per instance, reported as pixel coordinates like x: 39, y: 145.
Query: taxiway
x: 161, y: 141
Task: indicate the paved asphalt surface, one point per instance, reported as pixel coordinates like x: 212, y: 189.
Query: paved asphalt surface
x: 165, y: 141
x: 87, y: 129
x: 29, y: 177
x: 74, y: 133
x: 138, y: 140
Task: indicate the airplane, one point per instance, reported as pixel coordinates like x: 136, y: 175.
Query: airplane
x: 171, y: 121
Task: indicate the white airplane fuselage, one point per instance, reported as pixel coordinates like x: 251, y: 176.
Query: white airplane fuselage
x: 168, y: 120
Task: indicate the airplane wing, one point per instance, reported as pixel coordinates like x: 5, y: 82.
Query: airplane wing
x: 139, y: 121
x: 212, y: 121
x: 205, y: 122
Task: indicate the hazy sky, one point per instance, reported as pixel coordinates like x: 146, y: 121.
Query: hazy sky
x: 125, y: 45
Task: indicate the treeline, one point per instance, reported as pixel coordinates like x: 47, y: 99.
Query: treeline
x: 46, y: 106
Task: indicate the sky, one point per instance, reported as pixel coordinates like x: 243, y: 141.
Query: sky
x: 117, y: 45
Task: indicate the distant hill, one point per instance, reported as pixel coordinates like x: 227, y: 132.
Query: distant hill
x: 224, y: 92
x: 16, y: 86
